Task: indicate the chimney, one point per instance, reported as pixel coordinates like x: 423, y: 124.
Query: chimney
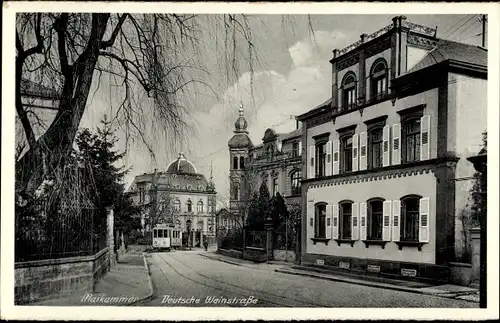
x: 363, y: 37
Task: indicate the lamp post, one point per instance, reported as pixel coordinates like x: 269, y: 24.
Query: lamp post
x: 480, y: 164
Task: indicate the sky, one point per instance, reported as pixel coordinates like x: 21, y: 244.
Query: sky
x: 292, y: 76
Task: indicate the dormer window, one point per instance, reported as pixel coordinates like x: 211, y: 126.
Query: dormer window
x: 269, y: 153
x: 349, y: 91
x: 378, y: 77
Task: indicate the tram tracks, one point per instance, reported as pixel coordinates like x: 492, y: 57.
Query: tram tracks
x: 261, y: 295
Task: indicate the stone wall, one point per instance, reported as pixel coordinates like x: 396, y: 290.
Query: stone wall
x: 230, y: 253
x: 51, y: 278
x: 284, y: 255
x: 461, y: 273
x: 255, y: 254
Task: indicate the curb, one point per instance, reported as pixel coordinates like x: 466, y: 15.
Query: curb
x: 370, y: 284
x: 150, y: 283
x: 222, y: 260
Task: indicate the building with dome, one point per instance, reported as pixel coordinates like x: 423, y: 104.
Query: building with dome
x: 276, y: 161
x: 180, y: 196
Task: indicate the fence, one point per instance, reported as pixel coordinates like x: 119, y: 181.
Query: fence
x: 232, y: 240
x: 285, y: 236
x: 256, y: 239
x: 62, y: 233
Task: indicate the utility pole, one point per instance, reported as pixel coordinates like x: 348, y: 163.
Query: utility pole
x: 483, y: 19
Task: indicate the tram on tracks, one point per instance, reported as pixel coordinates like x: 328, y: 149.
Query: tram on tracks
x: 166, y: 237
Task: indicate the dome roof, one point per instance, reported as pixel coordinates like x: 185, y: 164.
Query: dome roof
x: 241, y: 123
x: 181, y: 166
x: 240, y: 140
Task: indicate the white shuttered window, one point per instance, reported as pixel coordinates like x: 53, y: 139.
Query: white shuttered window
x: 386, y: 221
x: 385, y: 146
x: 423, y: 235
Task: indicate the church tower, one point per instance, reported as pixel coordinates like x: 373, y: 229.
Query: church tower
x: 239, y: 146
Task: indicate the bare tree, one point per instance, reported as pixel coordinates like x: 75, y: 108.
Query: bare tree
x: 157, y: 55
x: 161, y: 208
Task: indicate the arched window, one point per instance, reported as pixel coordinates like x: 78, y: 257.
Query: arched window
x: 375, y: 218
x: 236, y: 192
x: 177, y: 205
x: 210, y: 206
x: 295, y: 178
x: 320, y: 221
x: 409, y: 225
x: 189, y: 206
x: 378, y: 77
x: 345, y: 209
x: 242, y: 162
x: 199, y: 207
x: 235, y: 162
x: 349, y: 91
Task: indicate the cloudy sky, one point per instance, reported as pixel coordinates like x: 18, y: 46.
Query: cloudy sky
x: 292, y: 76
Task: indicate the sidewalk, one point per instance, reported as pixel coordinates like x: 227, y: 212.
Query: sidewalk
x: 447, y: 290
x: 128, y: 283
x: 212, y: 254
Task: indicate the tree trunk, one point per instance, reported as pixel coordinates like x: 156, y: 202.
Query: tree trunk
x: 56, y: 142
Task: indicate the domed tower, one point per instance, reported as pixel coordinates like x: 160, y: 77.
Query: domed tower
x: 239, y: 146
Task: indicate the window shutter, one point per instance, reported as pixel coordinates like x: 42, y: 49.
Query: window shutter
x: 312, y: 153
x: 310, y: 216
x: 362, y: 151
x: 396, y: 144
x: 336, y: 156
x: 335, y: 234
x: 355, y: 222
x: 355, y: 153
x: 328, y: 166
x: 300, y: 148
x: 328, y: 222
x: 385, y: 146
x: 396, y: 219
x: 423, y: 232
x: 362, y: 225
x: 425, y: 127
x: 386, y: 225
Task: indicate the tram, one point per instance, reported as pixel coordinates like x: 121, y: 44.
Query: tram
x: 166, y: 237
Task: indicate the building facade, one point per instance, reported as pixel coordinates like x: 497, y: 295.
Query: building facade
x: 180, y: 196
x: 276, y: 161
x: 384, y: 156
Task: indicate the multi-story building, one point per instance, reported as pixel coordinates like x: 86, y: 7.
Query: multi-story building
x: 385, y: 155
x: 277, y: 161
x: 179, y: 196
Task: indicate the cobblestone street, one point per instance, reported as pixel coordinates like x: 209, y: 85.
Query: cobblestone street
x: 186, y: 277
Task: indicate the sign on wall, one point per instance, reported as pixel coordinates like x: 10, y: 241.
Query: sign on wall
x: 373, y: 268
x: 409, y: 272
x: 344, y: 265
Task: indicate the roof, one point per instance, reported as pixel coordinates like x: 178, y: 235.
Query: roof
x: 181, y: 166
x: 240, y: 140
x: 174, y: 182
x: 30, y: 88
x: 450, y: 50
x: 318, y: 109
x: 290, y: 135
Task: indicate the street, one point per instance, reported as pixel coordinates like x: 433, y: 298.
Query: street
x: 185, y: 278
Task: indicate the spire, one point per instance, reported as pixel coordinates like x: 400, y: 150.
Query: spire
x: 211, y: 168
x: 241, y: 109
